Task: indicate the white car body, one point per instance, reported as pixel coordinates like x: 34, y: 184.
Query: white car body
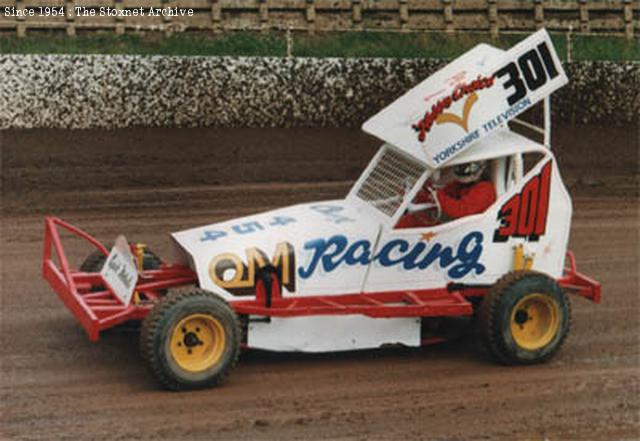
x: 349, y: 246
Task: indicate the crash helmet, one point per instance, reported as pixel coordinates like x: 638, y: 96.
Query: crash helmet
x: 469, y: 171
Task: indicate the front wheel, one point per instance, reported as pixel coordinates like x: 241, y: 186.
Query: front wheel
x: 525, y: 318
x: 190, y: 340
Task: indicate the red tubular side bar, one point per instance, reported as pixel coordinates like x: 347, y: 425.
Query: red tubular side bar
x: 578, y: 283
x: 97, y: 311
x: 425, y: 303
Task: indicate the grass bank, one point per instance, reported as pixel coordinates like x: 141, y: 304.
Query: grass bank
x: 328, y: 44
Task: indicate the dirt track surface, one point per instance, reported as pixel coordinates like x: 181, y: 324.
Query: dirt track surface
x: 57, y: 385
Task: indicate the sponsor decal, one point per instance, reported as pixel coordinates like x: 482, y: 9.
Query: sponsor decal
x: 484, y: 129
x: 456, y: 146
x: 448, y: 117
x: 529, y: 72
x: 502, y: 117
x: 438, y: 115
x: 120, y: 271
x: 525, y: 213
x: 337, y: 251
x: 229, y: 272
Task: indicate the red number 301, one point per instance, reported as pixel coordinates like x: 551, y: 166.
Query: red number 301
x: 525, y: 214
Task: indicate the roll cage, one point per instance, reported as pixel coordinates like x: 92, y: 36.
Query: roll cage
x: 393, y: 178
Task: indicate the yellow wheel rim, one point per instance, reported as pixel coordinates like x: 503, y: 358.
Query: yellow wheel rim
x: 535, y: 321
x: 197, y: 342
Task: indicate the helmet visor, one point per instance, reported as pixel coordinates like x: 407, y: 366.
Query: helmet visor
x: 468, y: 170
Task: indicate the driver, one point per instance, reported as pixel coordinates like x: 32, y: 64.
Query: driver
x: 471, y: 192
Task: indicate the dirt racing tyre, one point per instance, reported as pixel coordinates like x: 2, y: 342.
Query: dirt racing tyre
x: 525, y: 318
x: 190, y: 340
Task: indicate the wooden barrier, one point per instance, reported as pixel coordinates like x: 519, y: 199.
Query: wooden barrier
x: 619, y: 17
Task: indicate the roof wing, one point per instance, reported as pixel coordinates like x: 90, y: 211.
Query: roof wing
x: 469, y: 98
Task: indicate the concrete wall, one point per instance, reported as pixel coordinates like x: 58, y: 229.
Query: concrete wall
x: 100, y: 91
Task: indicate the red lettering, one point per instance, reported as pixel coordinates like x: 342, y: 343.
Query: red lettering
x: 528, y: 208
x: 508, y: 217
x: 424, y: 125
x: 543, y: 200
x: 525, y: 214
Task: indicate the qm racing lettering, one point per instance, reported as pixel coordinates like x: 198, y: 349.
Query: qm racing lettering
x: 336, y: 251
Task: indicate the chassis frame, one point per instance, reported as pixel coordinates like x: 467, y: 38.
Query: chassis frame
x: 100, y: 310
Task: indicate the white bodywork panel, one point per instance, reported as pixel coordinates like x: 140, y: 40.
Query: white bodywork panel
x: 335, y: 248
x: 307, y: 231
x: 500, y: 143
x: 333, y: 333
x: 468, y: 99
x: 349, y: 246
x: 475, y: 256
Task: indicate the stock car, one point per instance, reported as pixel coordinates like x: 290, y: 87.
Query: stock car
x: 338, y: 275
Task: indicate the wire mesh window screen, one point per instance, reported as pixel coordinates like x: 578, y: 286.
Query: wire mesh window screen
x: 392, y: 177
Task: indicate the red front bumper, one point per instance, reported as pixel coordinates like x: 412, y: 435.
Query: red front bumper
x: 577, y: 283
x: 99, y: 309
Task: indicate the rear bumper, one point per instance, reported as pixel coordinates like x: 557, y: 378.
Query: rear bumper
x: 577, y: 283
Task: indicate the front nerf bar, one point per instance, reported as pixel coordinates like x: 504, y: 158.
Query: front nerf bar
x: 86, y: 295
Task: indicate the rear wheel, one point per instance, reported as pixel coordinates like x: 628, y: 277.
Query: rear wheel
x: 190, y: 340
x: 525, y: 318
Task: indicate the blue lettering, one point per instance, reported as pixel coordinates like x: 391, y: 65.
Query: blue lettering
x: 409, y: 261
x: 359, y: 252
x: 335, y: 251
x: 340, y: 243
x: 247, y: 228
x: 469, y: 258
x: 281, y: 220
x: 320, y: 253
x: 331, y: 211
x: 436, y: 252
x: 384, y: 256
x: 506, y: 115
x: 212, y: 235
x: 458, y: 145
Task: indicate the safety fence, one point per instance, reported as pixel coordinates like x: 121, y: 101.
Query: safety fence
x: 618, y: 17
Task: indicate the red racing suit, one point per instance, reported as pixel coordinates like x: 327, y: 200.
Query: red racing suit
x: 456, y: 200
